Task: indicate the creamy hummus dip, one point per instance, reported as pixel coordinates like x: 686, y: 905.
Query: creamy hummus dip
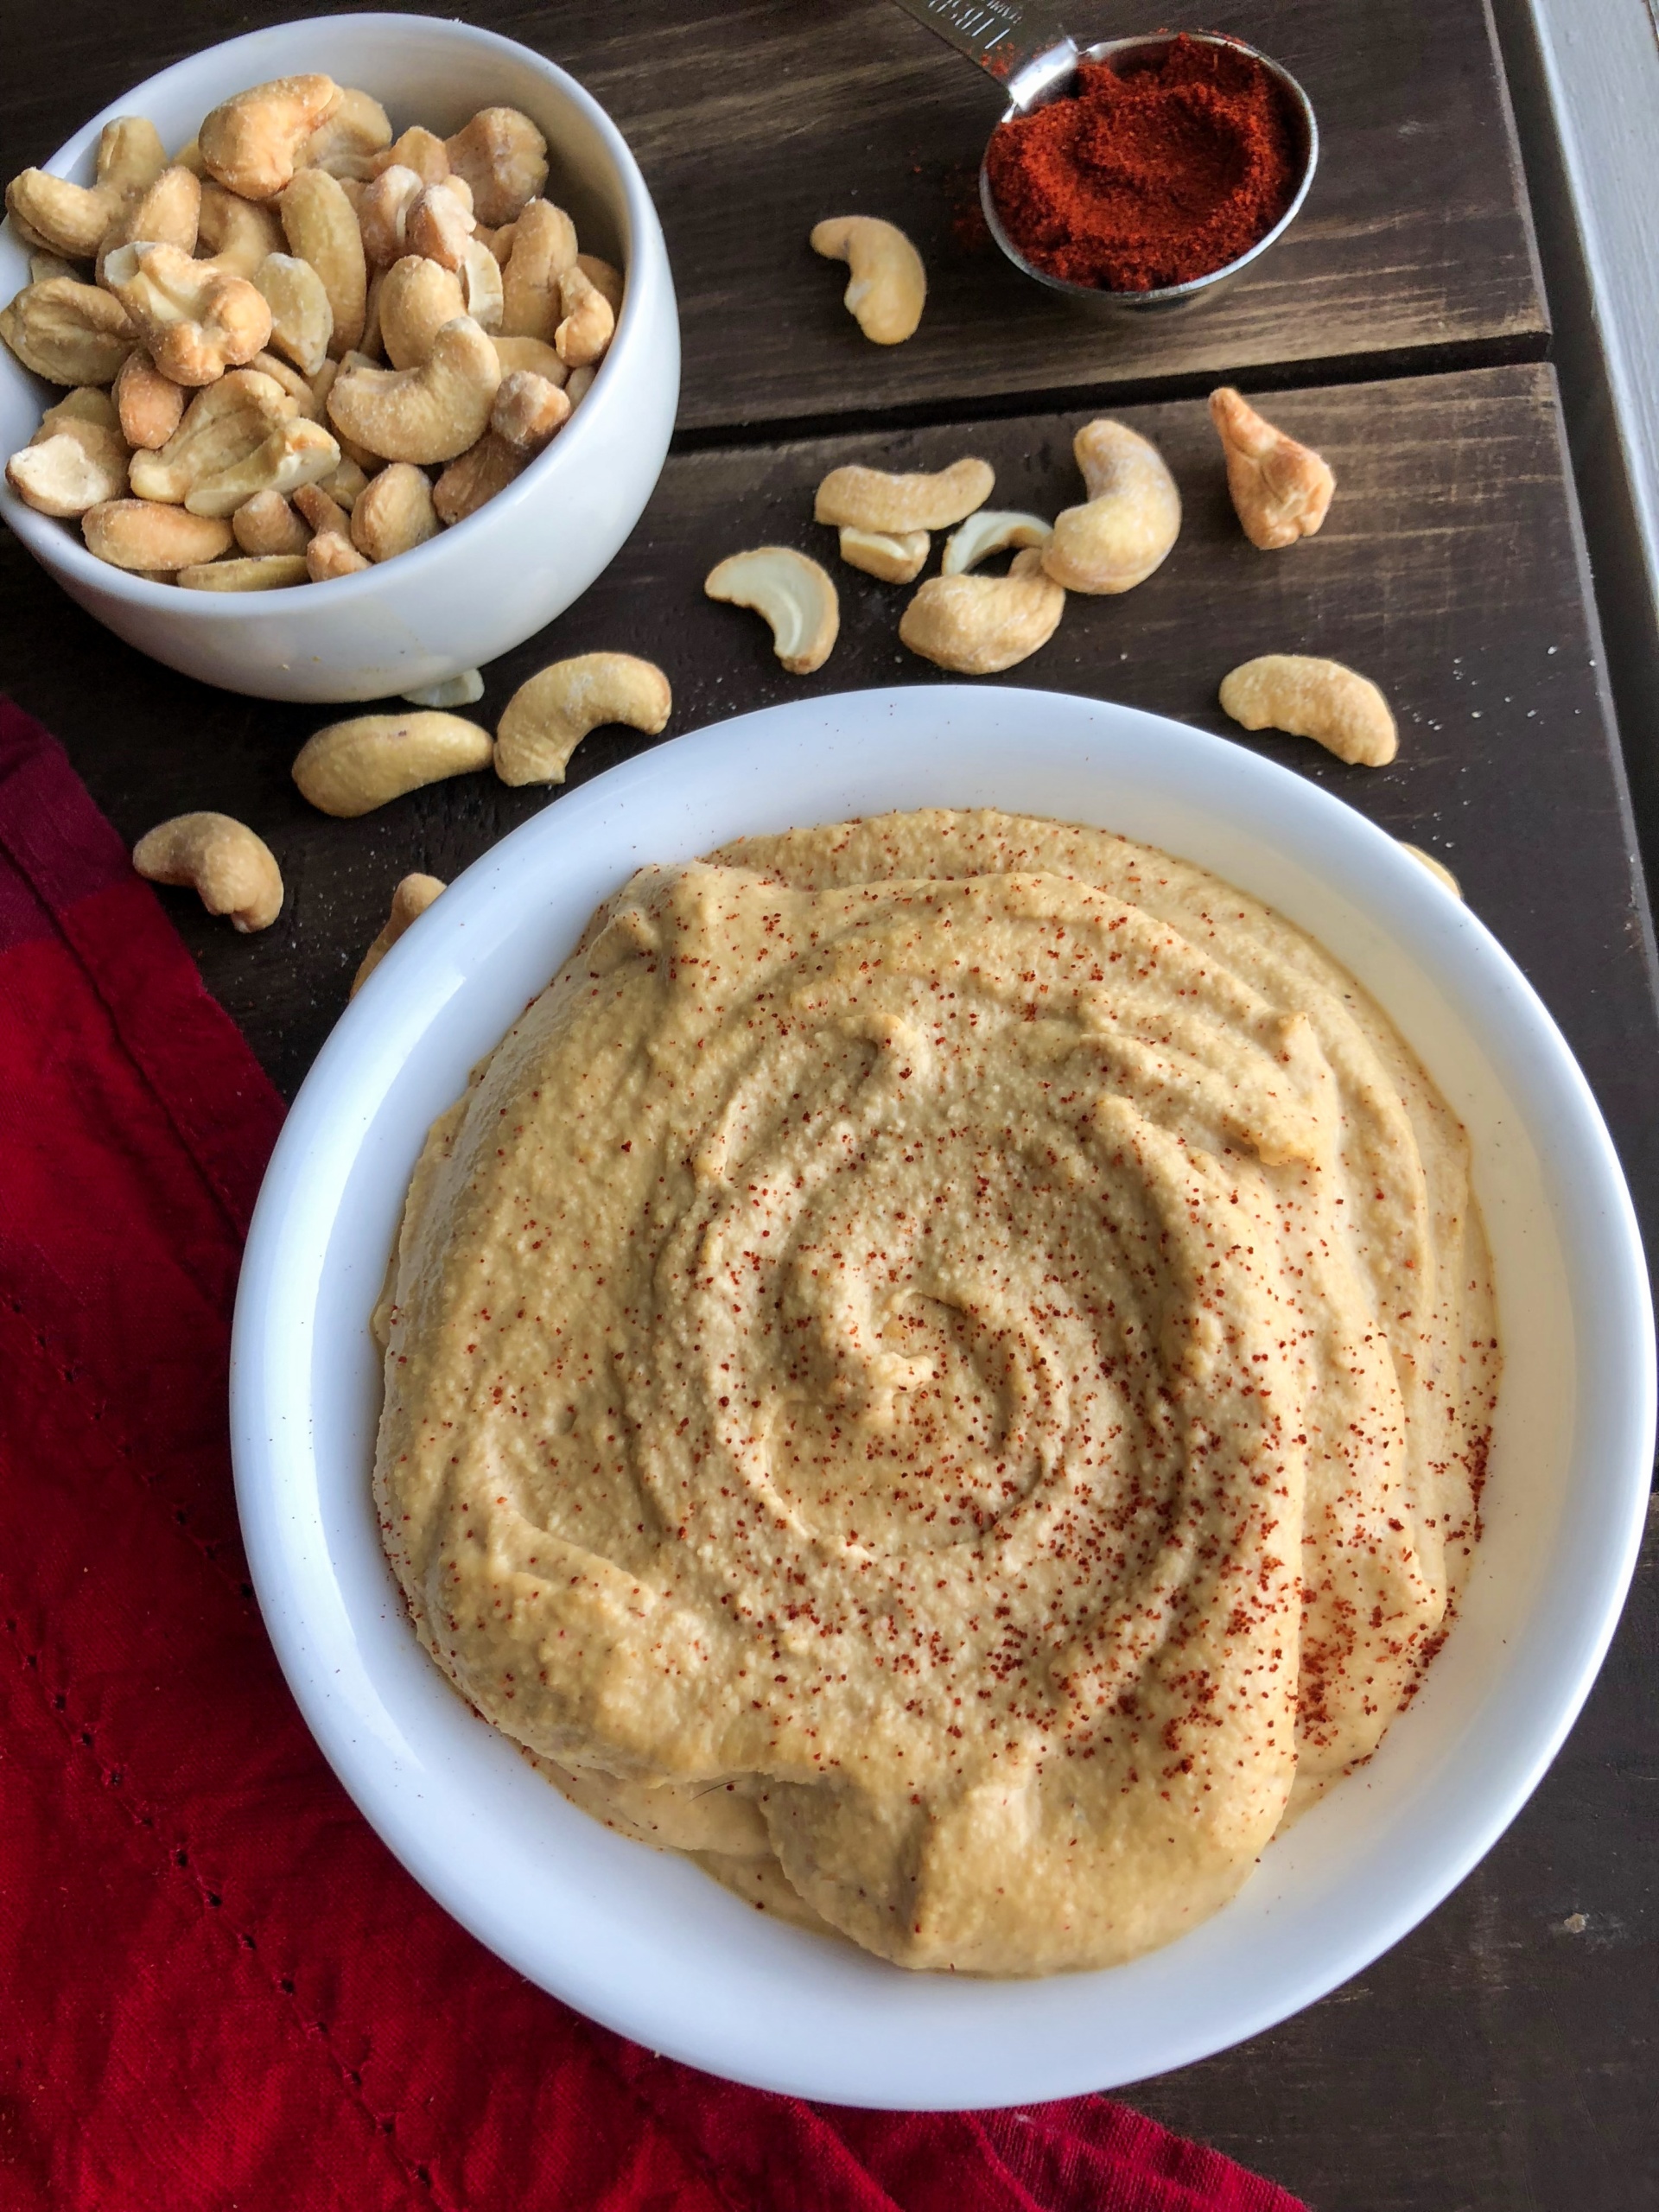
x: 944, y: 1367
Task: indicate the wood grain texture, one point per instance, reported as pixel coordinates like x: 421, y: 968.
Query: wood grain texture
x: 752, y: 118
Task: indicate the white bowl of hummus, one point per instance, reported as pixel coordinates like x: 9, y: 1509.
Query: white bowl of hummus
x: 845, y: 1399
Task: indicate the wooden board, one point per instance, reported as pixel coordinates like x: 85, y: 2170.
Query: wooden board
x: 752, y: 120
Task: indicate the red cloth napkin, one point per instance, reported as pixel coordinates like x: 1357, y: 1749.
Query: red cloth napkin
x: 217, y: 1988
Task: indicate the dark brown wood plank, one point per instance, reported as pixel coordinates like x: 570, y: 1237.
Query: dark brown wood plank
x: 752, y: 118
x: 1498, y: 2057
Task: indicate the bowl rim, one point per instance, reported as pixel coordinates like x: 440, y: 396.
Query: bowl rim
x: 1003, y: 2053
x: 54, y: 544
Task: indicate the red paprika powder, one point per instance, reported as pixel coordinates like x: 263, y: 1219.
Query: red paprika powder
x: 1151, y: 173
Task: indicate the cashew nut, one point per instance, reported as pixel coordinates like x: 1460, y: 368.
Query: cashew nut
x: 256, y: 572
x: 463, y: 691
x: 528, y: 411
x: 235, y: 872
x: 417, y: 298
x: 1320, y: 699
x: 351, y: 768
x: 382, y: 213
x: 168, y: 214
x: 298, y: 387
x: 232, y: 234
x: 73, y: 219
x: 148, y: 404
x: 895, y: 560
x: 501, y: 240
x: 85, y: 404
x: 322, y: 512
x: 296, y: 453
x: 543, y: 249
x: 794, y: 594
x: 978, y: 624
x: 577, y: 386
x: 992, y: 530
x: 302, y: 321
x: 42, y: 267
x: 252, y: 142
x: 357, y: 128
x: 395, y: 514
x: 503, y: 157
x: 140, y: 534
x: 68, y: 333
x: 267, y: 526
x: 66, y: 474
x: 1436, y: 869
x: 481, y: 285
x: 870, y: 498
x: 604, y: 276
x: 438, y: 227
x: 1281, y: 490
x: 408, y: 902
x: 584, y: 337
x: 221, y: 426
x: 345, y: 483
x: 1130, y: 521
x: 889, y: 285
x: 431, y: 412
x: 320, y: 227
x: 539, y: 359
x: 419, y: 149
x: 331, y: 554
x: 548, y: 717
x: 197, y: 319
x: 482, y: 470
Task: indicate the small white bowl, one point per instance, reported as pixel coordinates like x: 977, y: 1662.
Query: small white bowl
x: 472, y: 592
x: 646, y: 1943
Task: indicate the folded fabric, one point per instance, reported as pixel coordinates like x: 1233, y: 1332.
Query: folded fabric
x: 217, y: 1988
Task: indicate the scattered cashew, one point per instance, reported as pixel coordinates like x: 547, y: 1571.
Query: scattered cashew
x: 438, y: 227
x: 584, y: 337
x: 528, y: 411
x: 795, y: 596
x: 871, y: 498
x: 895, y: 560
x: 351, y: 768
x: 408, y: 902
x: 992, y: 530
x: 463, y: 691
x: 68, y: 333
x: 481, y: 285
x: 65, y: 474
x: 73, y: 219
x: 196, y: 319
x: 395, y: 514
x: 302, y: 321
x: 295, y: 453
x: 252, y: 142
x: 235, y: 872
x: 889, y: 285
x: 544, y: 249
x: 1320, y: 699
x: 1436, y: 869
x: 978, y: 624
x: 233, y: 233
x: 322, y: 228
x: 140, y: 534
x: 256, y: 572
x: 1132, y: 517
x: 417, y: 298
x: 357, y: 128
x: 266, y: 525
x: 148, y: 404
x: 1281, y: 491
x: 432, y: 412
x: 168, y: 214
x: 221, y: 426
x: 503, y: 157
x: 548, y: 717
x: 475, y: 478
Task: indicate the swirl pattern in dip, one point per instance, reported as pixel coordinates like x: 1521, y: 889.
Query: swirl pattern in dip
x: 944, y: 1366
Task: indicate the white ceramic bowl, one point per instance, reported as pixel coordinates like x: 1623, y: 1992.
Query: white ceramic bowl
x: 477, y: 590
x: 645, y: 1942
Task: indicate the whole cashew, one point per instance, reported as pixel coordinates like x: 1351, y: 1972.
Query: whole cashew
x: 139, y: 534
x: 196, y: 319
x: 351, y: 768
x: 235, y: 872
x: 1132, y: 517
x: 871, y: 498
x: 302, y: 321
x: 795, y: 596
x: 889, y: 285
x: 895, y: 560
x: 503, y: 157
x: 584, y: 337
x: 322, y: 227
x: 548, y: 717
x: 233, y: 233
x: 252, y: 143
x: 978, y: 624
x: 544, y: 249
x: 148, y: 404
x: 254, y: 572
x: 416, y: 299
x: 432, y: 412
x: 395, y: 514
x: 1320, y: 699
x: 266, y: 525
x: 68, y: 333
x: 992, y: 530
x: 408, y: 902
x: 1281, y: 491
x: 73, y: 219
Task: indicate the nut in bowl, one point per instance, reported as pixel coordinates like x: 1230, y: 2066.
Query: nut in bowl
x: 368, y: 247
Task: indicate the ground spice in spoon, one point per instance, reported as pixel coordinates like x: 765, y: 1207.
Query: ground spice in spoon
x: 1150, y: 173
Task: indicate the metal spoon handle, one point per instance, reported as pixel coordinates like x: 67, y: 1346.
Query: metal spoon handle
x: 1007, y: 38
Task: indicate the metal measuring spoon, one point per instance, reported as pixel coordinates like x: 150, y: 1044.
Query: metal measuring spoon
x: 1024, y: 49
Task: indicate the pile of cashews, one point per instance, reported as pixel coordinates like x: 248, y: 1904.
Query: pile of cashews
x: 301, y: 345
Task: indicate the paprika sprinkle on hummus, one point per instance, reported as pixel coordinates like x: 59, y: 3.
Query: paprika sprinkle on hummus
x: 1154, y: 172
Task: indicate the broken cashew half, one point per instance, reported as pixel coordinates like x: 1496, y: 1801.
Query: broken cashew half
x: 352, y: 767
x: 977, y: 625
x: 235, y: 872
x: 1320, y: 699
x: 796, y: 596
x: 871, y: 498
x: 1281, y: 491
x: 408, y: 902
x: 888, y: 287
x: 895, y: 560
x: 992, y: 530
x: 548, y: 717
x: 1132, y: 517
